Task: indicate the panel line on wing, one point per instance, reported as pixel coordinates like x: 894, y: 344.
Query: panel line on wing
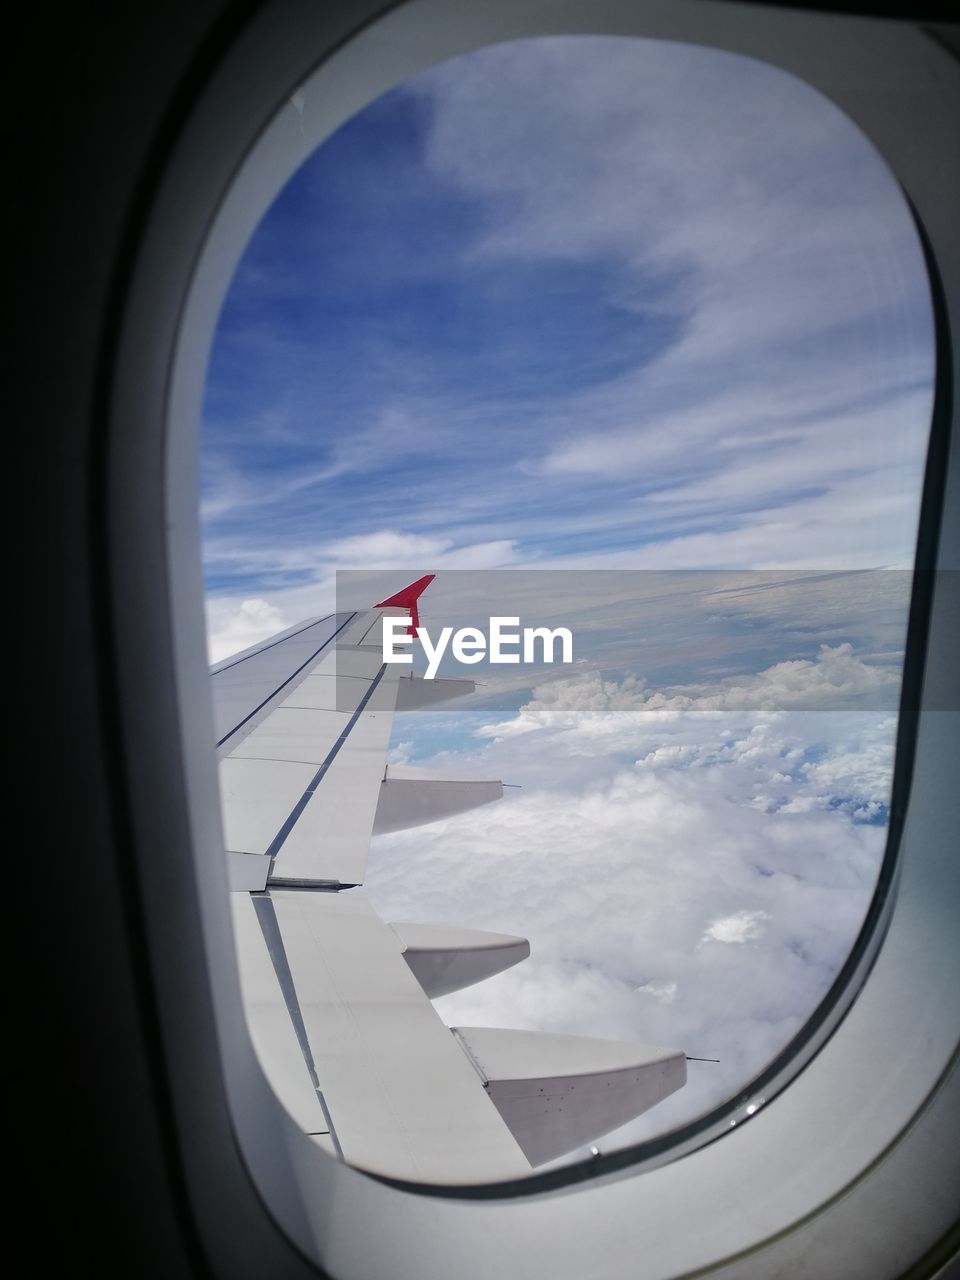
x: 278, y: 840
x: 376, y: 619
x: 285, y: 682
x: 255, y: 653
x: 283, y: 759
x: 270, y: 928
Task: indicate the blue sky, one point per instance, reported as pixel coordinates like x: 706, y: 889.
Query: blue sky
x: 674, y: 314
x: 362, y: 306
x: 585, y: 303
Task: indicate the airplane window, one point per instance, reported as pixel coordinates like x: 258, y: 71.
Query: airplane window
x: 623, y: 336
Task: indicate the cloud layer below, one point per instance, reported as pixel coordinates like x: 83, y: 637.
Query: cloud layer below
x: 688, y: 875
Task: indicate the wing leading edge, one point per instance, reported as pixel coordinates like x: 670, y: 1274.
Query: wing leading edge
x: 338, y: 1000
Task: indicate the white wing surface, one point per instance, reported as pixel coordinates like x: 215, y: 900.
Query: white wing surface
x: 338, y: 1000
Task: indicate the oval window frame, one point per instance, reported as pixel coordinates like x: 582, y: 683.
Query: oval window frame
x: 419, y: 33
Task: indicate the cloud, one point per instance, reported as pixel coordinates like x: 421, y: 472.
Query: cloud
x: 742, y: 926
x: 760, y: 390
x: 232, y: 627
x: 687, y: 877
x: 594, y: 711
x: 774, y: 241
x: 304, y: 578
x: 672, y: 162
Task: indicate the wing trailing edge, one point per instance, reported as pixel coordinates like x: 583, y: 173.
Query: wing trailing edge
x: 558, y: 1092
x: 411, y: 797
x: 414, y: 692
x: 444, y: 958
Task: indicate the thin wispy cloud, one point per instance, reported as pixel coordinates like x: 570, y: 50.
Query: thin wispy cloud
x: 679, y: 302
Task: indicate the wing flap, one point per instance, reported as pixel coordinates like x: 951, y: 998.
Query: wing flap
x: 411, y: 797
x: 403, y: 1099
x: 271, y: 1027
x: 445, y: 959
x: 558, y: 1092
x: 415, y: 692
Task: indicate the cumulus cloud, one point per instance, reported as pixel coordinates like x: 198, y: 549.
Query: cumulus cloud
x: 742, y: 926
x: 234, y: 626
x: 594, y: 709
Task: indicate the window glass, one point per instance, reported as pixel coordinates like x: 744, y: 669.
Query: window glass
x: 655, y: 319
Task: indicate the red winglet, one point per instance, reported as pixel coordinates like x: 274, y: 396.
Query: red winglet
x: 407, y: 599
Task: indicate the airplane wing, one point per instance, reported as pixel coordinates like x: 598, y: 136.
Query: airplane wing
x: 338, y: 1000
